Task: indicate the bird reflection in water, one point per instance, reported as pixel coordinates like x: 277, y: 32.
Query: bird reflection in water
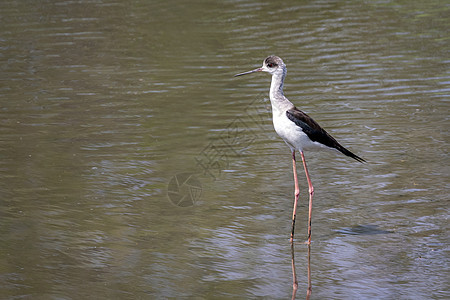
x: 294, y: 273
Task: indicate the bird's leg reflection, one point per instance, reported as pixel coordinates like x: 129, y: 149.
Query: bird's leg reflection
x: 294, y: 273
x: 309, y: 291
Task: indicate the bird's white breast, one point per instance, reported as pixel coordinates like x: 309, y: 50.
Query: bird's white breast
x: 292, y: 134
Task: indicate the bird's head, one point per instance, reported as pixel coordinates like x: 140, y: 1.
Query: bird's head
x: 272, y: 65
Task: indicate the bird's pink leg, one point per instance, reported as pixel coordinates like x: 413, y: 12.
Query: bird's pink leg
x: 311, y: 193
x: 296, y: 193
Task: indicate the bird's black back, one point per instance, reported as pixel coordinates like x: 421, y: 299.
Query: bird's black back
x: 316, y: 133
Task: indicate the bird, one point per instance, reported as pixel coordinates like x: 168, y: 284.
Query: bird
x: 298, y: 130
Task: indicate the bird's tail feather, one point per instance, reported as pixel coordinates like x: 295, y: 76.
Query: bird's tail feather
x: 351, y: 154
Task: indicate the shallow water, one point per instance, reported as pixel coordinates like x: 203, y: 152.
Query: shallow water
x: 134, y: 166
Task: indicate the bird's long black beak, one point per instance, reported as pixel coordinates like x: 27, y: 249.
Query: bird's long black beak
x: 249, y: 72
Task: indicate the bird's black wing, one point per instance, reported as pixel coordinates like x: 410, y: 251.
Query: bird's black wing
x: 316, y: 133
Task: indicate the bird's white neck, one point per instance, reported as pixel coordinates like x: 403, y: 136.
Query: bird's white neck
x: 277, y: 98
x: 276, y: 86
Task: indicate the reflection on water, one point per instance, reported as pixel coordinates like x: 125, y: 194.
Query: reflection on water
x: 363, y: 229
x: 102, y: 103
x: 294, y: 273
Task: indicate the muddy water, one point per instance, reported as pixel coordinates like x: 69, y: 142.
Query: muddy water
x: 134, y: 166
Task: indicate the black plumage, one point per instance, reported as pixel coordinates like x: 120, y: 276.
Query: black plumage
x: 316, y: 133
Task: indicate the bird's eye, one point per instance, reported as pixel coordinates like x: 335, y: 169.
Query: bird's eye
x: 270, y: 65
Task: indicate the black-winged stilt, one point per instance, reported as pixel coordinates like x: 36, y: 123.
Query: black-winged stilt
x: 298, y: 130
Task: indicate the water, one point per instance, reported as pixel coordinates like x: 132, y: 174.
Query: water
x: 107, y: 108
